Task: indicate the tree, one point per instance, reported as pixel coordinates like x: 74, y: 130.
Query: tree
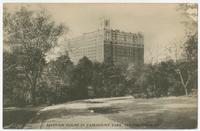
x: 98, y: 79
x: 58, y: 73
x: 32, y: 35
x: 132, y: 74
x: 113, y: 80
x: 189, y: 14
x: 81, y: 78
x: 166, y: 77
x: 145, y: 82
x: 186, y: 68
x: 157, y: 80
x: 15, y: 91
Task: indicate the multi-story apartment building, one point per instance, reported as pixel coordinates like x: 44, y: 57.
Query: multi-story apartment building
x: 108, y: 45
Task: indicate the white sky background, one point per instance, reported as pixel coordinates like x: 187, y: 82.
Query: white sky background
x: 160, y: 23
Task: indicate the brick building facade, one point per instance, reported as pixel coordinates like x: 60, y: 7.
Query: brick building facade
x: 108, y: 45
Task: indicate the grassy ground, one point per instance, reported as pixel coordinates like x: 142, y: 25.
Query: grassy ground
x: 16, y: 118
x: 162, y: 113
x: 120, y: 112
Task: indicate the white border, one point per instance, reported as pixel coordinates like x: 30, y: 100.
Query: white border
x: 1, y: 63
x: 198, y: 122
x: 82, y: 1
x: 100, y: 1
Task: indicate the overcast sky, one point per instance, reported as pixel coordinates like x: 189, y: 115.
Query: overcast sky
x: 160, y: 23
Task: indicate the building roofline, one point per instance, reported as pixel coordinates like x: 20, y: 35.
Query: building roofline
x: 117, y: 30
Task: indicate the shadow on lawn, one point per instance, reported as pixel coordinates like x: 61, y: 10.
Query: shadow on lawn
x: 60, y: 113
x: 16, y: 119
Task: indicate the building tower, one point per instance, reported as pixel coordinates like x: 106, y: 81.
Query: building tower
x: 105, y: 23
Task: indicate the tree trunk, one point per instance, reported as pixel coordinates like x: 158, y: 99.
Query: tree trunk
x: 33, y: 93
x: 184, y: 84
x: 186, y: 92
x: 55, y: 99
x: 33, y: 97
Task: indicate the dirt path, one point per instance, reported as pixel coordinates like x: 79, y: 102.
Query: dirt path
x: 81, y: 114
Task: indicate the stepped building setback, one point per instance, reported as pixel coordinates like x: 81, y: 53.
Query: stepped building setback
x: 108, y: 45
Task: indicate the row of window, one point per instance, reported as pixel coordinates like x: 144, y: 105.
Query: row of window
x: 124, y: 51
x: 131, y: 38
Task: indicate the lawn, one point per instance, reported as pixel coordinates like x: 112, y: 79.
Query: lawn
x: 120, y: 112
x: 17, y: 117
x: 161, y: 113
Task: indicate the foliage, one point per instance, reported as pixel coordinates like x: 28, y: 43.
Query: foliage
x: 158, y: 80
x: 113, y: 81
x: 30, y: 79
x: 81, y: 79
x: 15, y: 91
x: 54, y: 86
x: 31, y: 35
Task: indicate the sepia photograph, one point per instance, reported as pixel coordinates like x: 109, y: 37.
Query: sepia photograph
x: 100, y: 65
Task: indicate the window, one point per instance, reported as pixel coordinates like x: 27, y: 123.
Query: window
x: 124, y: 37
x: 107, y: 36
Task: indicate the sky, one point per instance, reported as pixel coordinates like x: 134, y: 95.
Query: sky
x: 160, y: 23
